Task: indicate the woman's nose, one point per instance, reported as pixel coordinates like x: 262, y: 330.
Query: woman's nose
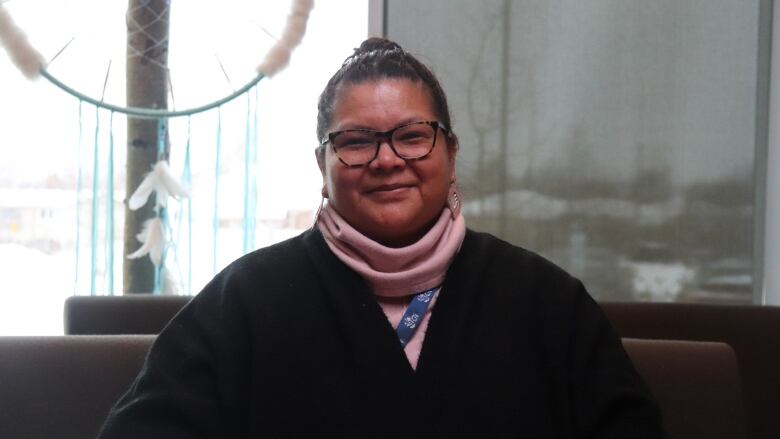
x: 386, y: 157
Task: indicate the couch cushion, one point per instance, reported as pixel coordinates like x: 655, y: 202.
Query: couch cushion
x: 696, y: 384
x: 63, y: 386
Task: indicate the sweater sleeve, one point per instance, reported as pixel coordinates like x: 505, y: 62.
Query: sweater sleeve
x: 189, y: 386
x: 609, y: 398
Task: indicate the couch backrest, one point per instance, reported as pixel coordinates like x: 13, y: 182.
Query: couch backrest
x: 62, y: 387
x: 696, y: 384
x: 127, y: 314
x: 750, y: 330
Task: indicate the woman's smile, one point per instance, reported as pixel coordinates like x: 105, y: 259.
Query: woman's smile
x: 390, y: 188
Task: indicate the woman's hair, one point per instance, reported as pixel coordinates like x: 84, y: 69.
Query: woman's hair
x: 379, y: 58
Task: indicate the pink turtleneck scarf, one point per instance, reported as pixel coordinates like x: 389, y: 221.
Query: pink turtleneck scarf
x: 396, y: 274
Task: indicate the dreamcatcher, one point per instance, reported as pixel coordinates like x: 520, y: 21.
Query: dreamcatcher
x: 159, y: 235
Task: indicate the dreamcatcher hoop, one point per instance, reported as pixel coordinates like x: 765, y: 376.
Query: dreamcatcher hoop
x: 31, y: 63
x: 151, y: 113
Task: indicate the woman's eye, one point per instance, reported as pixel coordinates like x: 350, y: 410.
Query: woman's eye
x: 354, y: 142
x: 412, y: 136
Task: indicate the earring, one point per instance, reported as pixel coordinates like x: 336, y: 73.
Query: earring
x: 324, y: 193
x: 317, y: 215
x: 453, y: 200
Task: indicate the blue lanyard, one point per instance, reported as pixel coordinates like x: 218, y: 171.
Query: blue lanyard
x: 414, y: 315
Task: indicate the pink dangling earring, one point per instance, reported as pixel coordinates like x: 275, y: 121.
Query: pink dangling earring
x: 317, y: 215
x: 453, y: 200
x: 319, y: 209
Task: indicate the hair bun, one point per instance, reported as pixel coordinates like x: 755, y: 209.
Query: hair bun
x: 377, y: 44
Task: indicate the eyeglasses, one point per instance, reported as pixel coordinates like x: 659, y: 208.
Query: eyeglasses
x: 359, y: 147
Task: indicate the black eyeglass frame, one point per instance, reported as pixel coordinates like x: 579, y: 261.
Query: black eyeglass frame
x: 385, y: 135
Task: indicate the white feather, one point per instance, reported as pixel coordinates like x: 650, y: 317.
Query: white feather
x: 170, y: 185
x: 160, y: 180
x: 141, y: 194
x: 152, y: 239
x: 21, y: 52
x: 279, y: 56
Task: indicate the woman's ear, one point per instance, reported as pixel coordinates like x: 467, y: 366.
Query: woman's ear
x: 452, y: 142
x: 452, y: 149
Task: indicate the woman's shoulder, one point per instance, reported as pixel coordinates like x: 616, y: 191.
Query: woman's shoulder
x: 490, y: 250
x: 520, y: 273
x: 538, y: 286
x: 289, y: 254
x: 267, y: 269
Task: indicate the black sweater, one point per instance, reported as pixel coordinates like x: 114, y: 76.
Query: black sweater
x: 289, y: 342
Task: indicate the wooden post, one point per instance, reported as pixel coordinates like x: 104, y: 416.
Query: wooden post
x: 147, y: 87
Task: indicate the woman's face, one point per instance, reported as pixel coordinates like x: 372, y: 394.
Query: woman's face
x: 390, y: 200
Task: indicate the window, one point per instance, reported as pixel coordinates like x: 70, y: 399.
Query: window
x: 40, y: 146
x: 622, y: 140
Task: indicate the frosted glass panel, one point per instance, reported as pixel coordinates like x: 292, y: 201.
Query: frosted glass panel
x: 614, y: 137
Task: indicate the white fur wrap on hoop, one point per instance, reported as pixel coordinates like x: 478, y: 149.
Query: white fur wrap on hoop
x: 279, y: 56
x: 21, y: 52
x: 30, y: 61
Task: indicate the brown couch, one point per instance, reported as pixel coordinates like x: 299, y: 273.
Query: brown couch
x: 750, y: 330
x: 63, y: 387
x: 697, y: 385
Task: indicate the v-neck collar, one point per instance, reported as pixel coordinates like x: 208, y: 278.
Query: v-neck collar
x: 385, y: 376
x: 440, y: 362
x: 380, y: 364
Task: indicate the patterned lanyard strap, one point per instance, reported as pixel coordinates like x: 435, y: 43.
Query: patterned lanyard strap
x: 414, y: 315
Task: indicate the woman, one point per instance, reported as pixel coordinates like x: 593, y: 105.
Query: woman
x: 389, y: 318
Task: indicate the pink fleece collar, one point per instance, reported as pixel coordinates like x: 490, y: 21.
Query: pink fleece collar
x: 395, y: 271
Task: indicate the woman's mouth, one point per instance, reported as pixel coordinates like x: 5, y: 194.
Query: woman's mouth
x: 390, y: 187
x: 387, y: 191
